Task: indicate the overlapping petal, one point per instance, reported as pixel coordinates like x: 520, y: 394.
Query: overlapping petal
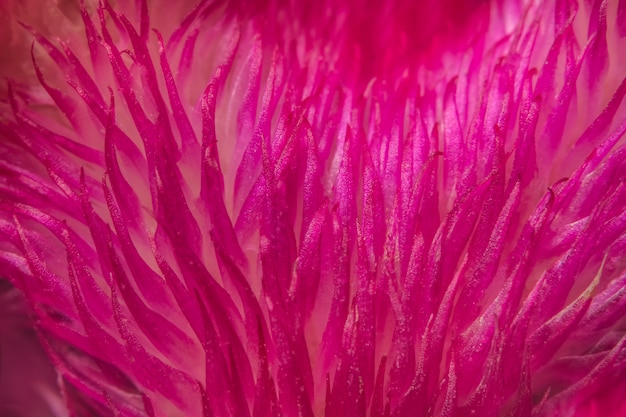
x: 399, y: 209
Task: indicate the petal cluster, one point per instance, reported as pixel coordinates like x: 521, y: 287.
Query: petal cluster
x: 324, y: 208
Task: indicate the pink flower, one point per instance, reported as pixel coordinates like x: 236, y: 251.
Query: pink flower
x: 328, y: 208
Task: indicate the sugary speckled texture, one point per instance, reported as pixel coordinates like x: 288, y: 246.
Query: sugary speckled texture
x: 327, y: 208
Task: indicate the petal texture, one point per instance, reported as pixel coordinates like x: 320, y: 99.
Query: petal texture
x: 332, y: 208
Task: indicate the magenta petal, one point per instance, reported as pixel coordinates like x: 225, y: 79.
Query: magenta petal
x: 317, y: 208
